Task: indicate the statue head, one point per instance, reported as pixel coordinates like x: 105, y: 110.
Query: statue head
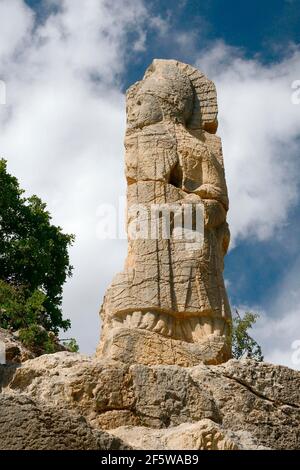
x: 164, y: 94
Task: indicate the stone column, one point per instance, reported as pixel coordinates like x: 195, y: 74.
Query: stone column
x: 169, y: 305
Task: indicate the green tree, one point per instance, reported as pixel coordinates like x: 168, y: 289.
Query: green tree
x: 34, y: 260
x: 71, y: 344
x: 242, y: 342
x: 19, y: 308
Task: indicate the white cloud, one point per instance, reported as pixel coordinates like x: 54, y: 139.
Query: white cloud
x: 278, y: 328
x: 62, y: 129
x: 278, y: 333
x: 16, y: 23
x: 259, y: 126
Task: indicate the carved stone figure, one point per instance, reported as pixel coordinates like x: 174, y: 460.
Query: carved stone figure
x: 169, y: 305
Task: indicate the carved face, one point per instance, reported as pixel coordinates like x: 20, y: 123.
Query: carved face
x: 145, y: 110
x: 165, y: 94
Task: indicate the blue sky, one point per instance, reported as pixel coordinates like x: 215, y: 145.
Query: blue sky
x: 251, y: 46
x: 261, y: 28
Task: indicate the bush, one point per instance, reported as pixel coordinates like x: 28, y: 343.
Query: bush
x: 242, y: 343
x: 18, y: 308
x: 71, y: 345
x: 37, y: 339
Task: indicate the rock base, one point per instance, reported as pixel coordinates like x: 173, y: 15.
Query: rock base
x: 203, y: 435
x: 235, y: 405
x: 136, y: 346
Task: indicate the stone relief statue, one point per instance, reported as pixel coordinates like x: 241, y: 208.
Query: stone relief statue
x: 169, y: 305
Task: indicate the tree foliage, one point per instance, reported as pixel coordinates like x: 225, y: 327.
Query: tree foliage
x: 34, y: 261
x: 71, y: 345
x: 242, y: 343
x: 20, y: 308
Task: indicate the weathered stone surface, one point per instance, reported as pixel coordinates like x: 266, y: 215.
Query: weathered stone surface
x: 15, y: 351
x: 258, y: 399
x: 203, y: 435
x: 24, y: 425
x: 146, y: 347
x: 170, y: 300
x: 112, y: 393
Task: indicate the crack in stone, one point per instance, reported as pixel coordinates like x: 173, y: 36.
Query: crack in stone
x: 276, y: 403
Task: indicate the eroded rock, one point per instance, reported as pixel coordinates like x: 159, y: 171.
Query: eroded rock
x: 259, y: 399
x: 26, y: 425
